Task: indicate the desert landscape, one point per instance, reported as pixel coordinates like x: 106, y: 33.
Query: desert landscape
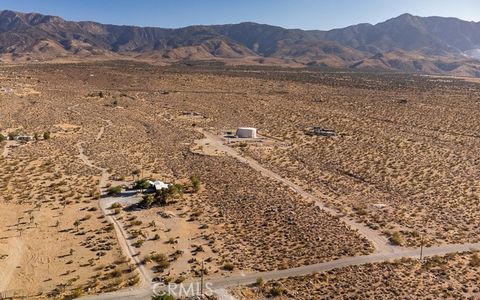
x: 162, y: 150
x: 400, y: 172
x: 453, y: 276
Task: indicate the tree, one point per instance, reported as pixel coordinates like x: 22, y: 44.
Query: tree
x: 164, y: 196
x: 147, y: 201
x: 141, y: 184
x: 196, y: 183
x: 2, y: 137
x: 12, y: 136
x: 36, y: 136
x: 46, y: 135
x: 136, y: 172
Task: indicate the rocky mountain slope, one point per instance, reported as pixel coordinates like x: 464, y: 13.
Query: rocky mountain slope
x: 433, y: 45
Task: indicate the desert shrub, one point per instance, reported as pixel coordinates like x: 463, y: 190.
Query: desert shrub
x: 259, y: 282
x: 87, y: 217
x: 116, y: 273
x: 161, y: 260
x: 396, y: 239
x: 139, y: 243
x: 114, y: 190
x: 163, y: 297
x: 74, y: 294
x: 475, y: 260
x: 136, y: 223
x: 116, y: 205
x: 277, y: 290
x: 228, y: 267
x: 109, y: 227
x: 180, y: 279
x: 133, y: 281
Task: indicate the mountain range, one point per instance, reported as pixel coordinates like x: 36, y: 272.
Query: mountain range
x: 431, y: 45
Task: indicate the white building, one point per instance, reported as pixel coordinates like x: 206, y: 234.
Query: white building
x: 158, y: 185
x: 246, y: 132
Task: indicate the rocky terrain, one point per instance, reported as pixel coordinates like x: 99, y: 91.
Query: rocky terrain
x: 431, y: 45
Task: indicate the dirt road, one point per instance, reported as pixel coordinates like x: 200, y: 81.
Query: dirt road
x: 6, y: 148
x: 14, y: 252
x: 384, y: 251
x: 340, y: 263
x: 215, y: 142
x: 122, y: 237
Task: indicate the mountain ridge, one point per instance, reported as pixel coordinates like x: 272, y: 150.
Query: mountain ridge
x: 432, y: 45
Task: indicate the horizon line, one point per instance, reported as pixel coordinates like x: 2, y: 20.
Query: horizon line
x: 235, y: 23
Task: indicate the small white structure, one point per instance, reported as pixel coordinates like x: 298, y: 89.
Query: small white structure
x: 25, y: 138
x: 246, y: 133
x: 158, y: 185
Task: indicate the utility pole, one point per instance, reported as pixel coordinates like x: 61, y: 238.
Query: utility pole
x: 201, y: 280
x: 421, y: 249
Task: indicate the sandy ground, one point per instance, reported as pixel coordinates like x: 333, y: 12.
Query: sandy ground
x: 405, y: 154
x: 452, y: 276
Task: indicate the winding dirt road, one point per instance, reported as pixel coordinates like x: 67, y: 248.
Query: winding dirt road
x: 219, y: 285
x: 380, y: 242
x: 384, y: 251
x: 105, y: 203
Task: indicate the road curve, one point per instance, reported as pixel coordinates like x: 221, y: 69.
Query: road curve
x: 380, y: 242
x: 220, y: 285
x: 384, y: 251
x: 340, y: 263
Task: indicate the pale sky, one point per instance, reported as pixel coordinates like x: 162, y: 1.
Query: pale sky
x: 305, y: 14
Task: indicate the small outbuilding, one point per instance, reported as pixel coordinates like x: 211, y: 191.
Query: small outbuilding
x: 322, y: 132
x: 246, y: 133
x: 24, y: 138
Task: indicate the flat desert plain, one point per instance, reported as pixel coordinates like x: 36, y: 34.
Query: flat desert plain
x: 401, y: 171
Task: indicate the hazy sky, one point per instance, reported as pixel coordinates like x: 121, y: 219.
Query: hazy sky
x: 306, y: 14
